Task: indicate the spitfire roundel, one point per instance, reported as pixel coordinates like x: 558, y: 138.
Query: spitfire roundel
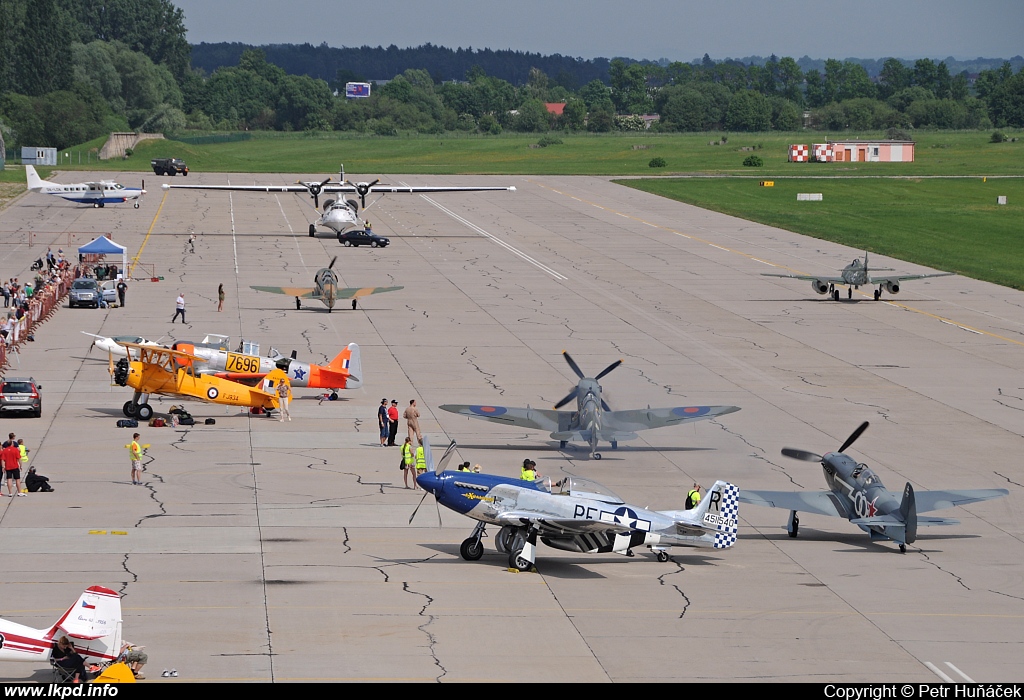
x: 691, y: 411
x: 488, y: 410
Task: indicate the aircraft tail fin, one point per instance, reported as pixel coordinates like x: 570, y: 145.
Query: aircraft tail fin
x: 32, y: 177
x: 908, y: 513
x: 93, y: 624
x: 349, y: 362
x: 715, y: 519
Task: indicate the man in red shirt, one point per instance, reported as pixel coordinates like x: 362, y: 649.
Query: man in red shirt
x: 392, y: 423
x: 10, y: 456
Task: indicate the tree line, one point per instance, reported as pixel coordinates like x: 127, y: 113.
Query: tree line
x: 72, y: 70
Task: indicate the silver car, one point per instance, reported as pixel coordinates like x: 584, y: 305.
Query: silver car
x: 21, y: 395
x: 84, y: 292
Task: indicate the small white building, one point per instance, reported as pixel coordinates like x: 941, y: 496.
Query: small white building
x: 881, y: 151
x: 34, y: 155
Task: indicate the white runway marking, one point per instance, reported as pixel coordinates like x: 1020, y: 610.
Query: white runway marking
x: 512, y: 249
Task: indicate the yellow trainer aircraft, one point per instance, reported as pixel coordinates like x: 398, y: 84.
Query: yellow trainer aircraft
x: 173, y: 373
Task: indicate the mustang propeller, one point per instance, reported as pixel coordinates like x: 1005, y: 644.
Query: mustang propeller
x: 812, y: 457
x: 438, y: 468
x: 362, y: 189
x: 315, y: 188
x: 579, y: 373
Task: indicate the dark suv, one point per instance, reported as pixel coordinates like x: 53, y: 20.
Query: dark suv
x: 21, y: 394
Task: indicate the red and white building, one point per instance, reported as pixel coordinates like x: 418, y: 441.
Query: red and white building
x: 857, y: 151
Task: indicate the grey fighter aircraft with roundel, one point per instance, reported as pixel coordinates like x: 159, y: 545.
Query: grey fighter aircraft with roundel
x: 339, y: 214
x: 325, y: 289
x: 95, y: 193
x: 854, y: 276
x: 573, y: 515
x: 593, y: 421
x: 857, y: 494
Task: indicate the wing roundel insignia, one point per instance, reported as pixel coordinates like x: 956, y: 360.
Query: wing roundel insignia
x: 488, y: 410
x: 691, y: 411
x: 212, y: 392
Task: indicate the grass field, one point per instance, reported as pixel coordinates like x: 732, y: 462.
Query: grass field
x: 950, y: 224
x: 938, y: 153
x: 953, y: 225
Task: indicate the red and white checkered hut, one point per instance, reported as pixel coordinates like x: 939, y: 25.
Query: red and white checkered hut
x: 799, y: 153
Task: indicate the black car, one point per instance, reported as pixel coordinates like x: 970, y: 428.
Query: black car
x: 21, y: 395
x: 357, y: 237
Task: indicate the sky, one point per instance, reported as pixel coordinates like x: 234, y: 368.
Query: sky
x: 679, y: 30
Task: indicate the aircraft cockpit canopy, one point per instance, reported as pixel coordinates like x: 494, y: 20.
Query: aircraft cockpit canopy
x: 581, y: 488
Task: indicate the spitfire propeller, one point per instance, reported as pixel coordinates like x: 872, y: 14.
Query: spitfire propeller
x: 579, y: 373
x: 812, y: 457
x: 315, y: 188
x: 363, y: 189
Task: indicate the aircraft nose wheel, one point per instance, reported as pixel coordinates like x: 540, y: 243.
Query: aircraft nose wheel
x: 903, y: 549
x: 662, y: 557
x: 136, y: 205
x: 597, y: 455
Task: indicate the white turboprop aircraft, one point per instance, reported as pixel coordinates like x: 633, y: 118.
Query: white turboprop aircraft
x: 94, y: 193
x: 339, y: 214
x: 113, y: 344
x: 93, y: 624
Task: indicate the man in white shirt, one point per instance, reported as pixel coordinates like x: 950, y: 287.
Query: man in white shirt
x: 179, y: 308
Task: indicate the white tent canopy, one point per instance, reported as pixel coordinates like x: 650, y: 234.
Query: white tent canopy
x: 105, y: 246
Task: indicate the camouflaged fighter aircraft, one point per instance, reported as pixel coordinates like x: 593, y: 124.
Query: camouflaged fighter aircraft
x: 574, y: 515
x: 326, y: 289
x: 593, y: 420
x: 854, y: 275
x: 857, y: 494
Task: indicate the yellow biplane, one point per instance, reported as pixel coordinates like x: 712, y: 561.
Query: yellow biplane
x: 173, y: 373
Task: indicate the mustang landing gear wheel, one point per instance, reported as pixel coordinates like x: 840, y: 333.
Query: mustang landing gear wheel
x: 662, y: 557
x: 145, y: 411
x: 312, y: 231
x: 516, y: 561
x: 471, y: 549
x: 878, y: 294
x: 129, y: 409
x: 849, y: 293
x: 835, y: 294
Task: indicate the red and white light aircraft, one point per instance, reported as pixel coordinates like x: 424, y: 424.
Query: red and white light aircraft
x: 93, y: 624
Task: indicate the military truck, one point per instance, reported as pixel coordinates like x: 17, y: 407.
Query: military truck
x: 169, y: 166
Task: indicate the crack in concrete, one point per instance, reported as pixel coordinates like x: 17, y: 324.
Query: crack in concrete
x: 662, y: 582
x: 956, y: 578
x: 1008, y: 479
x: 760, y: 454
x: 431, y: 639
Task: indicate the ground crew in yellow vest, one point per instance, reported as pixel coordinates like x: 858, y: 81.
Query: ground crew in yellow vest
x: 693, y: 497
x: 135, y: 455
x: 421, y: 461
x: 529, y: 471
x: 408, y: 463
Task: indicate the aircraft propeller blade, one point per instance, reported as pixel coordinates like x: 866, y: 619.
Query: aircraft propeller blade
x: 363, y: 189
x: 853, y: 436
x: 608, y: 369
x: 801, y: 454
x: 425, y: 494
x: 571, y: 395
x: 605, y: 406
x: 333, y: 260
x: 573, y: 366
x: 314, y: 190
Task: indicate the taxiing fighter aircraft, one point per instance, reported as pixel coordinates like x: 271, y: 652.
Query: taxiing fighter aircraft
x: 345, y: 371
x: 857, y: 494
x: 326, y: 289
x: 593, y: 420
x: 94, y: 193
x: 175, y: 373
x: 574, y: 515
x: 93, y: 624
x: 338, y: 214
x: 854, y: 275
